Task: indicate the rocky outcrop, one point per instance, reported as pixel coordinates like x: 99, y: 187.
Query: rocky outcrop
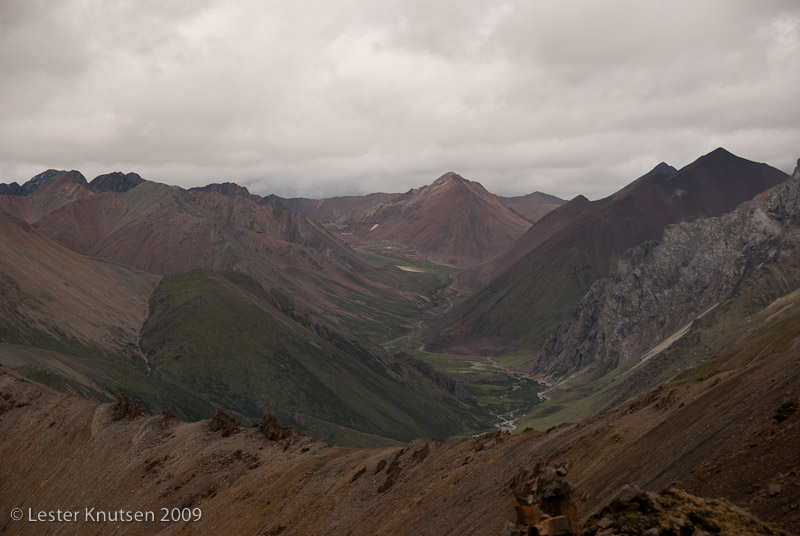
x: 632, y: 511
x: 660, y: 287
x: 224, y: 424
x: 672, y: 512
x: 11, y: 189
x: 545, y: 506
x: 30, y: 186
x: 127, y: 409
x: 275, y: 432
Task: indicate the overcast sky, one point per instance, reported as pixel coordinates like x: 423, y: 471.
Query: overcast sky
x: 320, y: 98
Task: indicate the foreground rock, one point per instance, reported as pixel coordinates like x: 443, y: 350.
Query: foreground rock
x: 674, y: 512
x: 545, y: 506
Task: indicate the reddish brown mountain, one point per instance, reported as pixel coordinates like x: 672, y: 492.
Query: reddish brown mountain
x: 47, y: 288
x: 45, y: 193
x: 531, y: 287
x: 453, y: 220
x: 166, y: 230
x: 331, y: 208
x: 532, y: 206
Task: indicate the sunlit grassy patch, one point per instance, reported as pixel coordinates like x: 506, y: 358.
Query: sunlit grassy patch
x: 411, y: 269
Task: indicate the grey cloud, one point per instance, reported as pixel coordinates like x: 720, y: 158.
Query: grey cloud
x: 319, y: 98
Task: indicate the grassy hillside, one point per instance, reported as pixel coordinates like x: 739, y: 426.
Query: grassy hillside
x: 225, y: 339
x: 57, y: 361
x: 541, y: 298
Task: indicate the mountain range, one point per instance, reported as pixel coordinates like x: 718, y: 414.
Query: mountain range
x: 647, y: 338
x: 205, y: 259
x: 527, y: 290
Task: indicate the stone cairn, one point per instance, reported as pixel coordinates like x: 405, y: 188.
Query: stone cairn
x: 545, y: 507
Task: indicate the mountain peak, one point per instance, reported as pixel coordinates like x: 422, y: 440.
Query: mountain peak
x: 229, y: 189
x: 662, y: 169
x: 720, y: 153
x: 453, y: 221
x: 448, y: 177
x: 57, y: 179
x: 35, y: 182
x: 115, y: 182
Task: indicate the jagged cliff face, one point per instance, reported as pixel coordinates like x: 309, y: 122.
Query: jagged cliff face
x: 660, y: 287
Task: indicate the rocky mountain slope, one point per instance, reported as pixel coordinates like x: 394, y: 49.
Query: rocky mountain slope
x: 659, y: 287
x: 50, y: 291
x: 165, y: 230
x: 529, y: 289
x: 452, y: 220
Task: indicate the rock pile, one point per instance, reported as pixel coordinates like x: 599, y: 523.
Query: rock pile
x: 545, y: 506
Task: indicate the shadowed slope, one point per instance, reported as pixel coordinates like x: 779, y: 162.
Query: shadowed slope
x: 224, y: 338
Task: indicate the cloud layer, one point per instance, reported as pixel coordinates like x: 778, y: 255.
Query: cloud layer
x: 321, y: 98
